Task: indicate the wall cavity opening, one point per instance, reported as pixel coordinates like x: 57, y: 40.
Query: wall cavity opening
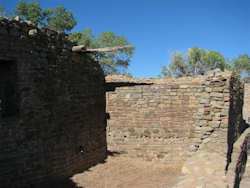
x: 8, y: 89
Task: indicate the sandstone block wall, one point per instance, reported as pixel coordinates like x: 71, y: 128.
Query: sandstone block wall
x: 52, y: 117
x: 152, y: 120
x: 168, y: 119
x: 217, y: 164
x: 246, y: 112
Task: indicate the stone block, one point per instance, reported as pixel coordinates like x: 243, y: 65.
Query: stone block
x: 214, y: 124
x: 216, y: 94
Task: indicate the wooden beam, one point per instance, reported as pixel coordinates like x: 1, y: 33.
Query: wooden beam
x: 82, y: 48
x: 78, y: 48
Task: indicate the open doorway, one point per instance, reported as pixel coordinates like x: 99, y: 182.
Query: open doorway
x: 8, y: 89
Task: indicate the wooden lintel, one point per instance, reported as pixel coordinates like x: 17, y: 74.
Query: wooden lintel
x: 79, y: 48
x: 82, y: 48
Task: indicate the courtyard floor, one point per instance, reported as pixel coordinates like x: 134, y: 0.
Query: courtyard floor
x: 119, y: 171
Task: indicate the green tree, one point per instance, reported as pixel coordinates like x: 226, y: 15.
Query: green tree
x: 214, y: 59
x: 84, y: 38
x: 115, y: 62
x: 177, y: 67
x: 33, y: 12
x: 196, y: 61
x: 61, y: 20
x: 241, y: 66
x: 4, y: 13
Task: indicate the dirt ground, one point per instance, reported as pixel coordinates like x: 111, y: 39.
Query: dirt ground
x: 122, y: 172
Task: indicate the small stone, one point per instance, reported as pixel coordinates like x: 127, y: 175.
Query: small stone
x: 17, y: 18
x: 196, y: 169
x: 202, y: 155
x: 208, y: 89
x: 32, y: 32
x: 29, y: 22
x: 215, y: 94
x: 204, y: 101
x: 185, y: 170
x: 214, y: 124
x: 209, y: 171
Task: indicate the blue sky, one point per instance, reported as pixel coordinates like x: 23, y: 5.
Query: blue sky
x: 159, y: 27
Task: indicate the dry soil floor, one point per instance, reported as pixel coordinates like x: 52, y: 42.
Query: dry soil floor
x: 122, y: 172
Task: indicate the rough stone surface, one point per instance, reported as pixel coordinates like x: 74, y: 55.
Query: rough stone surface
x: 52, y: 117
x: 209, y: 167
x: 168, y: 119
x: 206, y: 169
x: 246, y: 111
x: 238, y: 174
x: 203, y: 170
x: 193, y: 119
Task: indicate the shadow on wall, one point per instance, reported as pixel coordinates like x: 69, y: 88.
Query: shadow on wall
x: 241, y: 163
x: 114, y: 153
x: 112, y: 85
x: 237, y: 125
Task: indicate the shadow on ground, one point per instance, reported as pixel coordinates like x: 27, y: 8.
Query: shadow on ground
x: 67, y: 183
x: 114, y: 153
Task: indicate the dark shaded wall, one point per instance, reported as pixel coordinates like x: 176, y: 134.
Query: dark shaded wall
x: 237, y: 124
x: 56, y: 126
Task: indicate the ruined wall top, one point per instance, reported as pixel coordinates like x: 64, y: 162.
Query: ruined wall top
x: 25, y: 31
x: 27, y: 28
x: 214, y: 74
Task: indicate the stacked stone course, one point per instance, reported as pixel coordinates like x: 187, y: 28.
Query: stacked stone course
x: 246, y: 112
x: 195, y: 120
x: 56, y: 127
x: 152, y: 118
x: 168, y: 119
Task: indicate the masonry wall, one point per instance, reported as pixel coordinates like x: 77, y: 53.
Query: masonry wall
x: 168, y: 119
x: 56, y: 126
x: 246, y: 111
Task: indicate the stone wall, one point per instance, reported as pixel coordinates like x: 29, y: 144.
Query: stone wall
x: 152, y: 118
x: 221, y: 160
x: 237, y: 124
x: 238, y: 174
x: 52, y: 117
x: 246, y: 111
x: 168, y: 119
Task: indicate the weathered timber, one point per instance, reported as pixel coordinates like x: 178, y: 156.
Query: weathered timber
x: 78, y: 48
x: 83, y: 48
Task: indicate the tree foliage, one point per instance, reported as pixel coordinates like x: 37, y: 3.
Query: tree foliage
x: 59, y: 19
x: 4, y: 13
x: 63, y: 20
x: 241, y: 66
x: 33, y: 12
x: 112, y: 62
x: 196, y: 61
